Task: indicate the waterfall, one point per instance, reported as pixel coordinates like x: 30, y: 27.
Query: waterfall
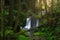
x: 28, y: 23
x: 37, y: 22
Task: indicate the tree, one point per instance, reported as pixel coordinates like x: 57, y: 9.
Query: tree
x: 18, y: 15
x: 2, y: 19
x: 11, y: 14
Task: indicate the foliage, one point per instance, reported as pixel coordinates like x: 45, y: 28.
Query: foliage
x: 22, y: 37
x: 49, y: 27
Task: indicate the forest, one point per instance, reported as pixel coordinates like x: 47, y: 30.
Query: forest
x: 29, y: 19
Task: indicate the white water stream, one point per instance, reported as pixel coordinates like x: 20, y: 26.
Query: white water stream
x: 28, y: 23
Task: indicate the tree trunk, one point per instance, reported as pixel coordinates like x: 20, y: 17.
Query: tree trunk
x: 45, y: 2
x: 18, y: 15
x: 11, y: 8
x: 2, y: 19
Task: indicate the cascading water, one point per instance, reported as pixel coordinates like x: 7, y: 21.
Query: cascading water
x: 37, y: 22
x: 29, y: 21
x: 30, y: 24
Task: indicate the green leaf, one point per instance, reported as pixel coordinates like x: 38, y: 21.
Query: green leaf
x: 22, y: 37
